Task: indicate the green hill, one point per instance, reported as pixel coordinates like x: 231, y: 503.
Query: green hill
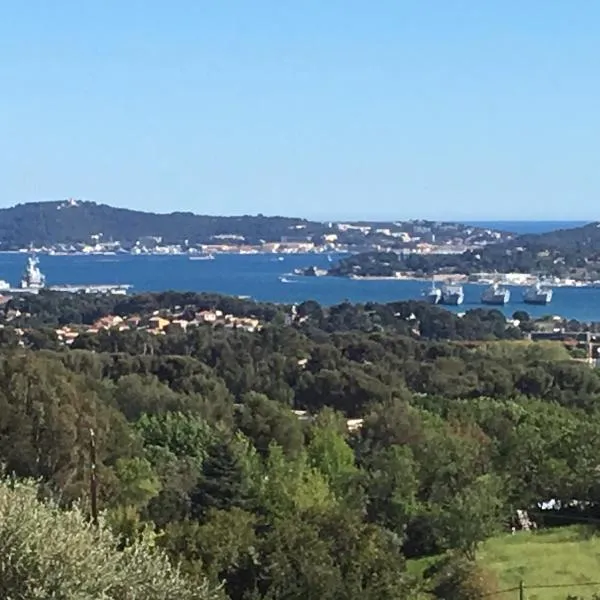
x: 566, y: 560
x: 45, y: 223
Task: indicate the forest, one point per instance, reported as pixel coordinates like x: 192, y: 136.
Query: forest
x: 48, y: 223
x: 314, y: 458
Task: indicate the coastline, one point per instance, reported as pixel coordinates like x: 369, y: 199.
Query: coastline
x: 525, y: 280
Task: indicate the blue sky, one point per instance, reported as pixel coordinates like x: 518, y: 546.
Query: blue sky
x: 443, y: 109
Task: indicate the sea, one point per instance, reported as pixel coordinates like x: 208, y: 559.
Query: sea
x: 269, y: 277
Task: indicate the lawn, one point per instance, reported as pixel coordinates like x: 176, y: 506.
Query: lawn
x: 567, y: 557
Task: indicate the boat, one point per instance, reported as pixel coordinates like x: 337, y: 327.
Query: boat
x: 315, y: 272
x: 538, y: 294
x: 496, y: 294
x: 433, y: 295
x: 202, y: 257
x: 32, y: 278
x: 452, y: 295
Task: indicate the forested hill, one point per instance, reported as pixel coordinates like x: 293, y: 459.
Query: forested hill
x: 45, y: 223
x: 74, y: 222
x: 577, y: 238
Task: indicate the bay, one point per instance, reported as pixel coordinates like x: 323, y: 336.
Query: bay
x: 264, y: 277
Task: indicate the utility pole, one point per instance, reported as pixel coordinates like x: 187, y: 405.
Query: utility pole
x: 93, y: 479
x: 521, y: 590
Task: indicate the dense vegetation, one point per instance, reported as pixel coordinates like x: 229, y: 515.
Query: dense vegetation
x: 46, y: 223
x: 197, y: 440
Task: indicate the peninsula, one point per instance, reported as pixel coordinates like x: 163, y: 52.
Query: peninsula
x: 568, y: 254
x: 76, y: 226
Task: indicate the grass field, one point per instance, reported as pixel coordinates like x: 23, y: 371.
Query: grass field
x: 567, y: 557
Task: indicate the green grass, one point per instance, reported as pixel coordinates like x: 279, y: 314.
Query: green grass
x: 566, y: 556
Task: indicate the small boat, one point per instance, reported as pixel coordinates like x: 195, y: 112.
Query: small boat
x: 452, y: 295
x: 496, y: 294
x: 433, y: 295
x: 538, y: 294
x: 202, y: 257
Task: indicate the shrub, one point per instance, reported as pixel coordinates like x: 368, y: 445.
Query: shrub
x: 46, y: 552
x: 456, y: 578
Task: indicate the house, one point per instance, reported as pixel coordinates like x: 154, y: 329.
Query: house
x: 158, y: 323
x: 108, y: 322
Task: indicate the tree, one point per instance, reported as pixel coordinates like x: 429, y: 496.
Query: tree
x: 222, y: 484
x: 393, y: 488
x: 265, y: 421
x: 473, y: 515
x: 50, y: 553
x: 329, y: 453
x: 220, y: 548
x: 137, y: 482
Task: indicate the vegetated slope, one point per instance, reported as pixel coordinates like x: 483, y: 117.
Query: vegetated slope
x: 577, y: 238
x: 70, y: 222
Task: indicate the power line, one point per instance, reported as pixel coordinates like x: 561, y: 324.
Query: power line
x: 522, y: 587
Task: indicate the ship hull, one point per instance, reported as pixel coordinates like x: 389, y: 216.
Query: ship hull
x: 540, y: 299
x: 498, y: 300
x: 537, y: 301
x: 433, y: 298
x: 452, y: 300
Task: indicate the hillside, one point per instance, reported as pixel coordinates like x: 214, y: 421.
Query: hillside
x: 45, y: 223
x: 586, y: 237
x: 73, y: 222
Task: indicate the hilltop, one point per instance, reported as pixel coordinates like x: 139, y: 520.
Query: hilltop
x: 583, y: 238
x: 43, y: 224
x: 47, y: 223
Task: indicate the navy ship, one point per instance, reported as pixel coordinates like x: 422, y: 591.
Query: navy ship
x: 496, y: 294
x: 33, y: 278
x: 538, y: 294
x: 452, y: 295
x: 433, y: 294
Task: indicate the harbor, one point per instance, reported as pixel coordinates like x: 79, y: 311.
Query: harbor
x: 265, y: 278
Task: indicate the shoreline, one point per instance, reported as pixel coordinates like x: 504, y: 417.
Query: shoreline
x: 464, y: 280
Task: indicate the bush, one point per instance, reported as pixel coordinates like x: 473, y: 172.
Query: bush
x: 46, y: 552
x: 456, y: 578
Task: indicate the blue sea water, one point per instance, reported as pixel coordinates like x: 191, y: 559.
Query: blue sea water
x: 258, y: 276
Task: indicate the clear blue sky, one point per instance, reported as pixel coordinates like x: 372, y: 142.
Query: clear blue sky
x: 449, y: 109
